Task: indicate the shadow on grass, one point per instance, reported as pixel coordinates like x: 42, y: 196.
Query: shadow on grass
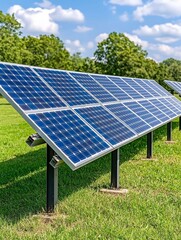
x: 23, y: 179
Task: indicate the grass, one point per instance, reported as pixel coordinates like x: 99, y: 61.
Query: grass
x: 151, y: 209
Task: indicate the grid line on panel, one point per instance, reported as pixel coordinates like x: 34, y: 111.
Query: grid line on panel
x: 159, y: 88
x: 101, y: 94
x: 154, y: 110
x: 137, y: 87
x: 111, y: 87
x: 26, y: 88
x: 176, y: 86
x: 150, y: 89
x: 143, y: 113
x: 129, y: 117
x: 70, y: 134
x: 66, y: 86
x: 124, y: 86
x: 106, y: 124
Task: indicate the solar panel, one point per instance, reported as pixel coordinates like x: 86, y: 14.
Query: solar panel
x: 26, y: 88
x: 126, y: 87
x: 66, y: 87
x: 84, y: 116
x: 143, y: 113
x: 111, y: 87
x: 107, y: 125
x: 129, y: 117
x: 77, y: 141
x: 93, y: 87
x: 176, y: 86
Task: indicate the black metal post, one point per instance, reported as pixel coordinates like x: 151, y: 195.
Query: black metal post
x: 52, y: 182
x: 150, y: 145
x: 172, y: 91
x: 179, y: 123
x: 115, y: 169
x: 169, y: 131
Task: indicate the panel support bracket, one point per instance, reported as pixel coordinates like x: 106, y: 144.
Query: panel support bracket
x: 115, y: 176
x: 52, y: 182
x: 169, y: 133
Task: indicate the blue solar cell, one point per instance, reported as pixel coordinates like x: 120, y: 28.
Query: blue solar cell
x: 66, y: 87
x: 143, y: 113
x: 176, y: 103
x: 141, y: 89
x: 174, y: 85
x: 131, y: 119
x: 169, y: 103
x: 93, y: 87
x: 26, y: 88
x: 159, y: 88
x: 163, y: 108
x: 108, y: 126
x: 143, y: 83
x: 154, y: 110
x: 111, y: 87
x: 70, y: 134
x: 126, y: 87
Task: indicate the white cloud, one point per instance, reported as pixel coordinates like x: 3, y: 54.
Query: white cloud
x: 101, y: 37
x: 81, y: 29
x: 167, y: 29
x: 45, y: 4
x: 157, y: 51
x: 126, y: 2
x: 137, y: 40
x: 167, y: 40
x: 162, y: 8
x: 124, y: 17
x: 44, y: 20
x: 35, y: 20
x: 74, y: 15
x: 90, y: 45
x: 74, y: 46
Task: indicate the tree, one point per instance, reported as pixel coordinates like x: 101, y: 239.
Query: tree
x: 46, y: 51
x: 117, y: 55
x: 174, y: 68
x: 12, y: 48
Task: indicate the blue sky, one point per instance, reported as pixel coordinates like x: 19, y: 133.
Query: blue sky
x: 81, y: 24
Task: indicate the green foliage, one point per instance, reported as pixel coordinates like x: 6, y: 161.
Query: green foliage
x: 117, y: 55
x: 174, y: 68
x: 46, y: 51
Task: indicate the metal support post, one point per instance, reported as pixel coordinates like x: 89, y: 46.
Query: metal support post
x: 52, y: 182
x: 169, y: 131
x: 115, y: 169
x: 179, y: 123
x: 150, y: 145
x: 172, y: 91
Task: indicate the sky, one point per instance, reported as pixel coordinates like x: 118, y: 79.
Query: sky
x: 81, y: 24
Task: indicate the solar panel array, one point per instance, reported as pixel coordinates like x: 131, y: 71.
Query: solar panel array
x: 176, y: 86
x: 85, y: 116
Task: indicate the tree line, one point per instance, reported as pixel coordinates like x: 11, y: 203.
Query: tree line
x: 116, y: 55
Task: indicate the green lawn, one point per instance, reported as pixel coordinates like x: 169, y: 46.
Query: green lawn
x: 151, y: 209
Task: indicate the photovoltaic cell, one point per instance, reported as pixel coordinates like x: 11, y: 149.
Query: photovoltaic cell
x: 174, y: 85
x: 154, y: 110
x: 111, y: 87
x: 137, y: 87
x: 163, y: 108
x: 69, y: 134
x: 93, y: 87
x: 169, y: 102
x: 148, y: 87
x: 66, y: 87
x: 126, y: 87
x: 108, y: 126
x: 129, y: 117
x: 158, y: 88
x: 26, y: 88
x: 143, y: 113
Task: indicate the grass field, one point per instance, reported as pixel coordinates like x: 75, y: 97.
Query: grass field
x: 151, y: 209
